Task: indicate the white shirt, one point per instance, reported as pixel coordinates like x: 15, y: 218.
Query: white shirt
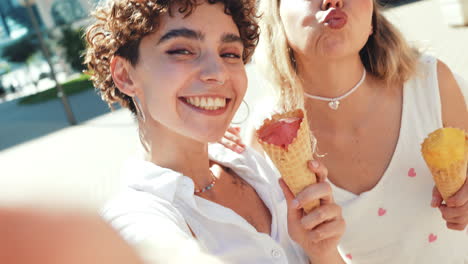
x: 393, y: 223
x: 153, y: 213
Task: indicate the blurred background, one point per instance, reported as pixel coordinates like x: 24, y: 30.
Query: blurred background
x: 60, y: 144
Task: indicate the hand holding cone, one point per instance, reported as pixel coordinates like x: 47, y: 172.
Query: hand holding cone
x: 446, y: 154
x: 286, y: 140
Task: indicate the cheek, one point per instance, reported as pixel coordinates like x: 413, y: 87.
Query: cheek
x: 299, y: 22
x: 159, y: 87
x: 365, y: 9
x: 240, y: 81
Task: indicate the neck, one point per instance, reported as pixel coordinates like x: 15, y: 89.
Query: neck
x: 333, y: 78
x: 168, y: 149
x: 330, y: 78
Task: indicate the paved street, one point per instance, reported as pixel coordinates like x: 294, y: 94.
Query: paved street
x: 43, y: 160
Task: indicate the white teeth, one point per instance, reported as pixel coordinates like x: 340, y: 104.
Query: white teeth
x: 203, y: 101
x: 210, y: 103
x: 207, y: 103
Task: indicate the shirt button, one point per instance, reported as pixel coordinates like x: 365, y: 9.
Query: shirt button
x: 276, y: 253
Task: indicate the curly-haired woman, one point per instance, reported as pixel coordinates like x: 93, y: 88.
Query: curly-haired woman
x: 371, y: 100
x: 179, y: 67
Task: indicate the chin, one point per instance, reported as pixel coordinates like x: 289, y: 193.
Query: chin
x: 212, y: 136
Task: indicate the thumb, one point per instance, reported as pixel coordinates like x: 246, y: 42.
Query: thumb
x: 294, y: 214
x: 436, y: 198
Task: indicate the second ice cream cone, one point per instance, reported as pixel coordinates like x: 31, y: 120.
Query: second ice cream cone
x: 446, y: 154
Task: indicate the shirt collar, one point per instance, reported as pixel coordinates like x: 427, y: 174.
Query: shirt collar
x: 165, y: 183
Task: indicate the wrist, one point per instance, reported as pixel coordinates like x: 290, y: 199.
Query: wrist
x: 333, y: 257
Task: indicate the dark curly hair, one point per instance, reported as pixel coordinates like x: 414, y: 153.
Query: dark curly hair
x: 121, y: 24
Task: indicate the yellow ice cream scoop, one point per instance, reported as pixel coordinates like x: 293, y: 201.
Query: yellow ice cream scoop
x: 446, y: 154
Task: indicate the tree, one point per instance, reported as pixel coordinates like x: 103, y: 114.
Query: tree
x: 2, y: 89
x: 20, y: 50
x: 74, y: 45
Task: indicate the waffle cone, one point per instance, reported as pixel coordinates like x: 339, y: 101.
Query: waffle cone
x: 292, y: 160
x: 448, y: 169
x: 449, y: 181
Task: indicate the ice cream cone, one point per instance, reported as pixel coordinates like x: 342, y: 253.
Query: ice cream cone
x: 291, y: 160
x: 446, y: 154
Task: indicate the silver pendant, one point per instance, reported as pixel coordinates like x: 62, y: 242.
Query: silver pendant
x: 334, y: 104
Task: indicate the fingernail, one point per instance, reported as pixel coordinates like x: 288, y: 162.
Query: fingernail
x: 239, y: 150
x: 295, y: 204
x: 315, y: 164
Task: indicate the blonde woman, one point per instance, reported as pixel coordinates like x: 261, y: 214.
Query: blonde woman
x: 371, y: 100
x: 179, y: 67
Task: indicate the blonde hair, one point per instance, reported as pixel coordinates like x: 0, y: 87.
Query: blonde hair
x: 386, y: 55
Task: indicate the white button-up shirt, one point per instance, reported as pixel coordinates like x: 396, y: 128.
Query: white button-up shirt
x: 158, y: 206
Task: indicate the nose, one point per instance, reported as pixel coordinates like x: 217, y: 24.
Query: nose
x: 327, y: 4
x: 213, y: 70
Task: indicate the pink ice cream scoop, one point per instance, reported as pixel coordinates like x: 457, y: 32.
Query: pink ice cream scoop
x: 282, y: 132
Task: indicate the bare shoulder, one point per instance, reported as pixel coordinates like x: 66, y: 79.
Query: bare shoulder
x: 454, y: 107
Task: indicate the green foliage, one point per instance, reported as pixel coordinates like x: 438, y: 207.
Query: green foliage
x: 2, y: 90
x: 20, y: 50
x: 74, y: 44
x: 74, y: 86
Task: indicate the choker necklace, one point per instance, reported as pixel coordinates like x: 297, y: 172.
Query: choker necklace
x: 334, y: 103
x: 209, y: 187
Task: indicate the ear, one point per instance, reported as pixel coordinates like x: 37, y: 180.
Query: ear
x: 120, y: 71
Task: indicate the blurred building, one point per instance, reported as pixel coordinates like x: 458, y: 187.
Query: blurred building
x: 15, y: 22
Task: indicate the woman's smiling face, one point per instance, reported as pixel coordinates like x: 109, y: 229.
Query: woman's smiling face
x: 190, y: 76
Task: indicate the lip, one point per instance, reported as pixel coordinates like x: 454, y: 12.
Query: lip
x: 335, y: 19
x: 205, y: 111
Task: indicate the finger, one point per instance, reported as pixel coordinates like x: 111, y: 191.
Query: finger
x: 234, y: 138
x: 234, y: 130
x: 436, y: 198
x: 460, y: 198
x: 463, y: 220
x: 449, y: 213
x: 328, y: 230
x: 231, y: 145
x: 318, y: 191
x: 319, y: 169
x: 294, y: 212
x: 321, y: 215
x: 458, y: 227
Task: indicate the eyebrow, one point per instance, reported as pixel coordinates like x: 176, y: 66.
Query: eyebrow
x: 181, y: 32
x: 197, y: 35
x: 230, y: 38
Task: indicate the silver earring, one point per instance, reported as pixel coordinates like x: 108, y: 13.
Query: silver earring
x: 139, y: 109
x: 245, y: 112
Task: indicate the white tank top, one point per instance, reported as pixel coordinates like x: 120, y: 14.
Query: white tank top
x: 394, y: 222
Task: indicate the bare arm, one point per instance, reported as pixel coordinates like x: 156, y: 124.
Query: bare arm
x: 454, y: 108
x: 454, y: 114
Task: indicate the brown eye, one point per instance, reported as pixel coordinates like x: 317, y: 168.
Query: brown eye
x: 179, y: 52
x: 230, y: 55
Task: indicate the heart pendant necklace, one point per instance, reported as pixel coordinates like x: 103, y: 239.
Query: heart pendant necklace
x: 334, y: 103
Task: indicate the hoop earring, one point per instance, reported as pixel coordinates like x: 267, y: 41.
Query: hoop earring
x: 246, y: 115
x: 139, y: 109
